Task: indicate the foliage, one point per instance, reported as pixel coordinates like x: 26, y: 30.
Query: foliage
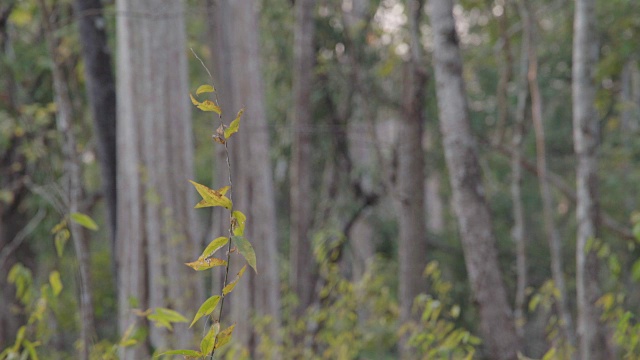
x: 215, y: 337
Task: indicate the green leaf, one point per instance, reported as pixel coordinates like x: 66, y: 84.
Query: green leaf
x: 204, y: 264
x: 189, y: 353
x: 212, y: 197
x: 224, y: 337
x: 234, y: 126
x: 230, y: 286
x: 56, y: 284
x: 59, y: 226
x: 214, y: 246
x: 84, y: 220
x: 171, y: 315
x: 163, y: 317
x: 206, y: 308
x: 238, y: 223
x: 205, y: 89
x: 60, y: 240
x: 246, y: 250
x: 208, y: 341
x: 206, y: 105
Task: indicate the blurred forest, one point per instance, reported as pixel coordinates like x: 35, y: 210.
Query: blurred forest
x: 422, y: 179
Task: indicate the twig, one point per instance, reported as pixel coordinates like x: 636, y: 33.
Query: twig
x: 226, y: 151
x: 21, y: 236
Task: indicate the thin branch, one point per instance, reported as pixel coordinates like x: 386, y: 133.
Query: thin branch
x: 21, y: 236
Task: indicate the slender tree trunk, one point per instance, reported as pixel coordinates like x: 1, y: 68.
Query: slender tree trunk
x: 468, y: 194
x: 255, y: 190
x: 155, y: 151
x: 586, y: 136
x: 550, y: 229
x: 101, y: 91
x: 518, y: 231
x: 301, y: 255
x: 412, y: 245
x: 73, y: 187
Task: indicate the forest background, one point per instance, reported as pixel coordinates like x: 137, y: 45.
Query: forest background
x: 429, y: 180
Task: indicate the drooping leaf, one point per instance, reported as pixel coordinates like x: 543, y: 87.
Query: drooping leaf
x: 205, y: 89
x: 60, y: 240
x: 163, y: 317
x: 204, y: 264
x: 212, y: 197
x: 214, y: 246
x: 171, y: 315
x: 234, y: 126
x: 246, y: 250
x: 84, y: 220
x: 224, y: 337
x: 206, y: 308
x: 56, y: 284
x: 239, y: 220
x: 185, y: 353
x: 206, y: 105
x: 230, y: 286
x: 207, y: 343
x: 59, y: 226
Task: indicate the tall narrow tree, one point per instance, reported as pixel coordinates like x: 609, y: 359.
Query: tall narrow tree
x: 586, y: 134
x: 253, y: 184
x: 301, y: 256
x: 412, y: 245
x: 155, y: 150
x: 74, y: 190
x: 550, y: 228
x: 465, y: 176
x: 101, y: 91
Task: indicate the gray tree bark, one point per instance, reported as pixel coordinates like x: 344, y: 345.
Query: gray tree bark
x: 155, y: 150
x: 258, y: 294
x: 301, y: 253
x: 586, y: 134
x: 412, y: 242
x: 470, y: 206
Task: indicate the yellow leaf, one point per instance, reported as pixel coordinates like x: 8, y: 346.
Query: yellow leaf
x: 224, y: 336
x: 212, y: 197
x: 239, y: 220
x: 209, y: 105
x: 207, y: 343
x: 230, y: 286
x: 206, y: 105
x: 193, y: 100
x: 205, y: 89
x: 204, y: 264
x: 234, y: 126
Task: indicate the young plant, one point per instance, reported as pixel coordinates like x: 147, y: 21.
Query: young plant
x: 235, y: 242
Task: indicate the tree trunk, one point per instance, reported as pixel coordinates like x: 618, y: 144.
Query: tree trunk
x: 155, y: 151
x: 412, y: 244
x: 519, y: 231
x: 301, y: 252
x: 101, y: 91
x: 468, y: 194
x: 73, y: 187
x: 254, y: 190
x: 550, y: 229
x: 591, y: 341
